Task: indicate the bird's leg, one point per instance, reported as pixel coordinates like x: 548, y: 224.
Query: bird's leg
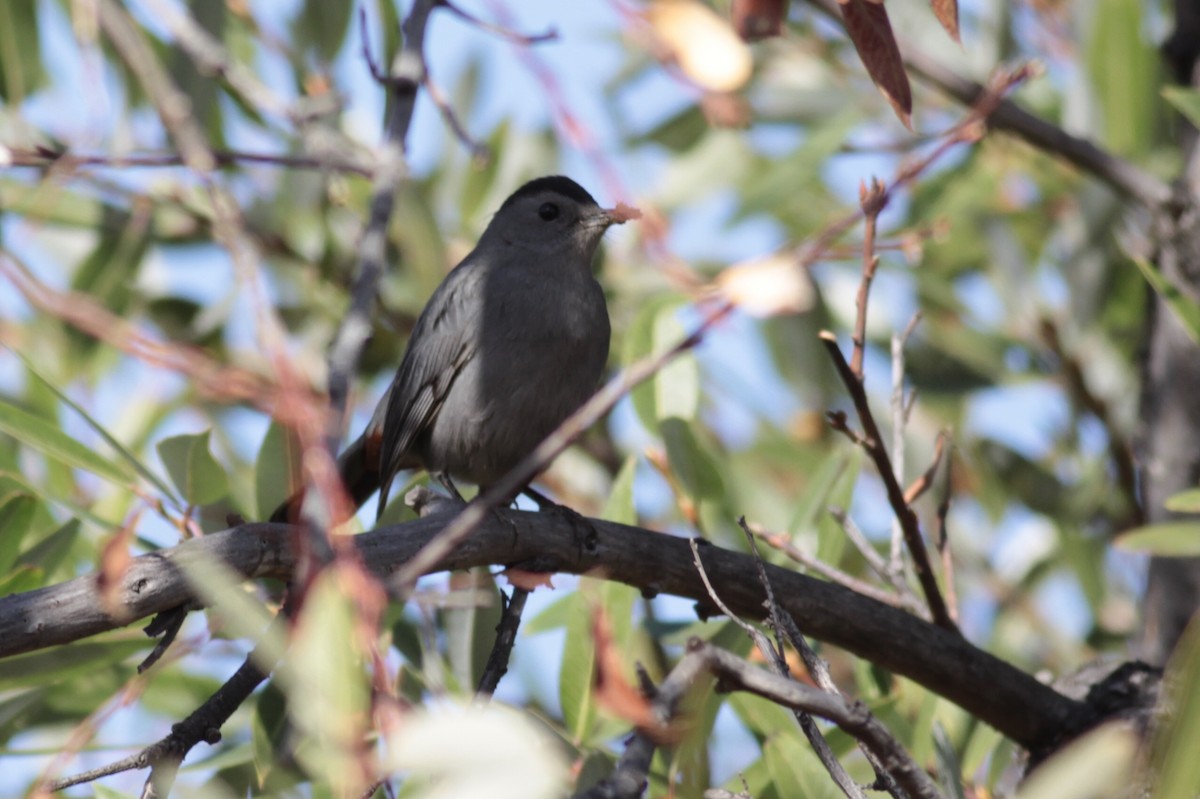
x: 448, y: 484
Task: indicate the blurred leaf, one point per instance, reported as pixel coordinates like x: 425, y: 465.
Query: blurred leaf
x: 1166, y: 539
x: 49, y: 553
x: 691, y: 461
x: 1096, y: 765
x: 277, y: 469
x: 476, y: 751
x: 21, y: 69
x: 653, y: 330
x: 949, y: 769
x: 1184, y: 502
x: 1186, y: 102
x: 1124, y: 68
x: 322, y: 25
x: 193, y: 470
x: 947, y: 13
x: 1175, y: 765
x: 471, y: 626
x: 552, y: 617
x: 108, y: 437
x: 16, y: 512
x: 1185, y: 310
x: 52, y: 442
x: 619, y: 506
x: 577, y: 674
x: 870, y: 30
x: 677, y: 133
x: 54, y: 665
x: 200, y: 89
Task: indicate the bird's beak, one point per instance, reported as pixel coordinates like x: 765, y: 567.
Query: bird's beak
x: 606, y: 217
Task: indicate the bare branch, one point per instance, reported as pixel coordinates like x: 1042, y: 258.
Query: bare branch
x: 853, y: 717
x: 883, y: 465
x: 516, y: 37
x: 506, y: 637
x: 1015, y: 703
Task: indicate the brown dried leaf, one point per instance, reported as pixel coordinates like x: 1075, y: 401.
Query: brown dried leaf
x: 613, y: 692
x: 947, y: 13
x: 115, y: 558
x: 869, y: 28
x: 758, y: 19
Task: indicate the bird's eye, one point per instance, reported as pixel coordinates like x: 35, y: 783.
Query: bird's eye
x: 548, y: 211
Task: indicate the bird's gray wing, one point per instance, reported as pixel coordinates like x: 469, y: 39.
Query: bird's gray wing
x: 442, y: 342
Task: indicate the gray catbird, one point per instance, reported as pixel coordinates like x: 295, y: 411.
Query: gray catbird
x: 511, y: 343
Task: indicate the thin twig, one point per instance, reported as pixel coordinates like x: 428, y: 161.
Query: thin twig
x: 832, y: 573
x: 45, y: 157
x: 900, y: 411
x: 872, y: 200
x: 629, y: 778
x: 784, y: 625
x: 774, y: 655
x: 211, y: 58
x: 853, y: 717
x: 1121, y: 175
x: 506, y: 637
x: 883, y: 465
x: 942, y: 537
x: 516, y: 37
x: 1120, y: 452
x: 922, y: 484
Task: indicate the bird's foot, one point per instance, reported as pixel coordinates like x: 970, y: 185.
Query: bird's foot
x: 579, y: 523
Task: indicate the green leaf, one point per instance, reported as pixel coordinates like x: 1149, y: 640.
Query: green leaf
x: 651, y: 332
x: 54, y: 443
x: 677, y: 385
x: 268, y: 731
x: 1175, y: 762
x: 322, y: 25
x: 1186, y: 311
x: 1094, y: 766
x: 552, y: 617
x: 51, y: 666
x: 619, y: 506
x: 691, y: 461
x: 1184, y: 502
x: 1165, y: 539
x: 277, y: 469
x: 16, y: 512
x: 48, y: 554
x: 193, y: 469
x: 471, y: 627
x: 1124, y: 69
x: 326, y: 685
x: 20, y: 55
x: 1186, y: 102
x: 108, y: 437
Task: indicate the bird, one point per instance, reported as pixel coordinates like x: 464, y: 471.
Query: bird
x: 513, y: 340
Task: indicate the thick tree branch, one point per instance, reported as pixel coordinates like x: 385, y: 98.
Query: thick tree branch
x: 1001, y: 695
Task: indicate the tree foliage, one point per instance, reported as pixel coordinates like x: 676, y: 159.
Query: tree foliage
x: 183, y: 235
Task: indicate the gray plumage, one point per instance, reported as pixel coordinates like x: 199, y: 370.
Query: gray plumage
x: 511, y: 343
